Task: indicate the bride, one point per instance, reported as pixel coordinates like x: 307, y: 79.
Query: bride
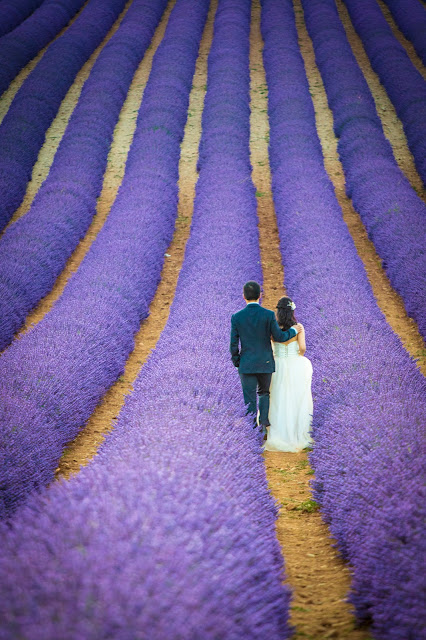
x: 290, y: 409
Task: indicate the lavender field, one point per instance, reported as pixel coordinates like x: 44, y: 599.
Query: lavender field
x: 154, y: 156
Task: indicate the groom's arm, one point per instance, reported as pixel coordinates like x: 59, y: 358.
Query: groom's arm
x: 278, y: 334
x: 234, y: 346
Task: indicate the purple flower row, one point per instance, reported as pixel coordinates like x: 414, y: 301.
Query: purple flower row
x: 25, y: 41
x: 395, y: 217
x: 402, y: 81
x: 34, y: 250
x: 53, y: 377
x: 35, y: 105
x: 369, y: 397
x: 410, y: 17
x: 13, y: 12
x: 169, y: 532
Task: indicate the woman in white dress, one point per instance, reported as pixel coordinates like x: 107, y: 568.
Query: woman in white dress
x: 291, y: 407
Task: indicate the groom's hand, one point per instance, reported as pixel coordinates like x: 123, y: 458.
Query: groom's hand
x: 298, y: 327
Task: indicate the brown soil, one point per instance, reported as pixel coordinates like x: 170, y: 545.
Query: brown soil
x: 84, y: 447
x: 318, y: 576
x: 392, y: 126
x: 57, y: 128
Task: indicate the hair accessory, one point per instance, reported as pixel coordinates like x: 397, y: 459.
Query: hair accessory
x: 292, y: 305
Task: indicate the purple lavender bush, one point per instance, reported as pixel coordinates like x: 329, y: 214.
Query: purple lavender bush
x: 54, y: 376
x: 410, y: 17
x: 35, y: 105
x: 13, y: 12
x: 404, y: 84
x: 395, y: 217
x: 26, y: 40
x: 169, y: 532
x: 34, y: 250
x: 369, y: 398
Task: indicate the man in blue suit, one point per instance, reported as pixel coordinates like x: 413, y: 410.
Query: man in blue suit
x: 251, y: 350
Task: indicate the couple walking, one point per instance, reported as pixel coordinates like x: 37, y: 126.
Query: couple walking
x: 276, y: 371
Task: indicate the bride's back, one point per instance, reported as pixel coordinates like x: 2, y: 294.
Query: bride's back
x: 286, y: 349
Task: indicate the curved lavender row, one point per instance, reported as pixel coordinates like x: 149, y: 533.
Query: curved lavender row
x: 410, y: 17
x: 169, y: 532
x: 35, y: 105
x: 18, y: 47
x: 395, y: 217
x: 34, y: 250
x: 369, y: 398
x: 13, y: 12
x: 403, y: 83
x: 54, y: 376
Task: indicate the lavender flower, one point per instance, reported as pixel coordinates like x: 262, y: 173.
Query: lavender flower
x: 402, y: 81
x: 35, y: 105
x: 52, y: 379
x: 410, y: 17
x: 369, y: 398
x: 169, y: 532
x: 34, y: 250
x: 25, y: 41
x: 13, y: 12
x: 395, y: 217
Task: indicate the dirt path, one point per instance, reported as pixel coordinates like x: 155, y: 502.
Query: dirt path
x: 402, y: 39
x: 388, y: 300
x: 392, y: 125
x: 319, y: 578
x: 57, y: 128
x: 84, y: 447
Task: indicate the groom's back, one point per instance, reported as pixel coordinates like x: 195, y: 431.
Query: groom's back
x: 253, y: 324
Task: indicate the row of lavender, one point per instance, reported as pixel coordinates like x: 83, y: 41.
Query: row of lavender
x: 34, y: 250
x: 23, y: 130
x: 367, y: 423
x: 21, y: 45
x: 169, y: 532
x: 402, y: 81
x: 410, y: 16
x: 79, y: 349
x: 395, y: 217
x: 13, y: 12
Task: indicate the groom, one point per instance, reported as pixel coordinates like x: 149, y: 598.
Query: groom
x: 253, y: 328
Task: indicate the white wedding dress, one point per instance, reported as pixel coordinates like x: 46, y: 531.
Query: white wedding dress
x: 291, y: 407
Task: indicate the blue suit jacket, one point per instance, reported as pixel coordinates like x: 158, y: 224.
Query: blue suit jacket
x: 253, y: 328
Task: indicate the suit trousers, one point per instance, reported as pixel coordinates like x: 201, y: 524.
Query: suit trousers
x: 260, y: 383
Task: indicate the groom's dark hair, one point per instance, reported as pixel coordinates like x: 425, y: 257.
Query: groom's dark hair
x: 251, y: 290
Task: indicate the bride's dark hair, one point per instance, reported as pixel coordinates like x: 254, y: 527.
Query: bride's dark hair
x: 285, y: 314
